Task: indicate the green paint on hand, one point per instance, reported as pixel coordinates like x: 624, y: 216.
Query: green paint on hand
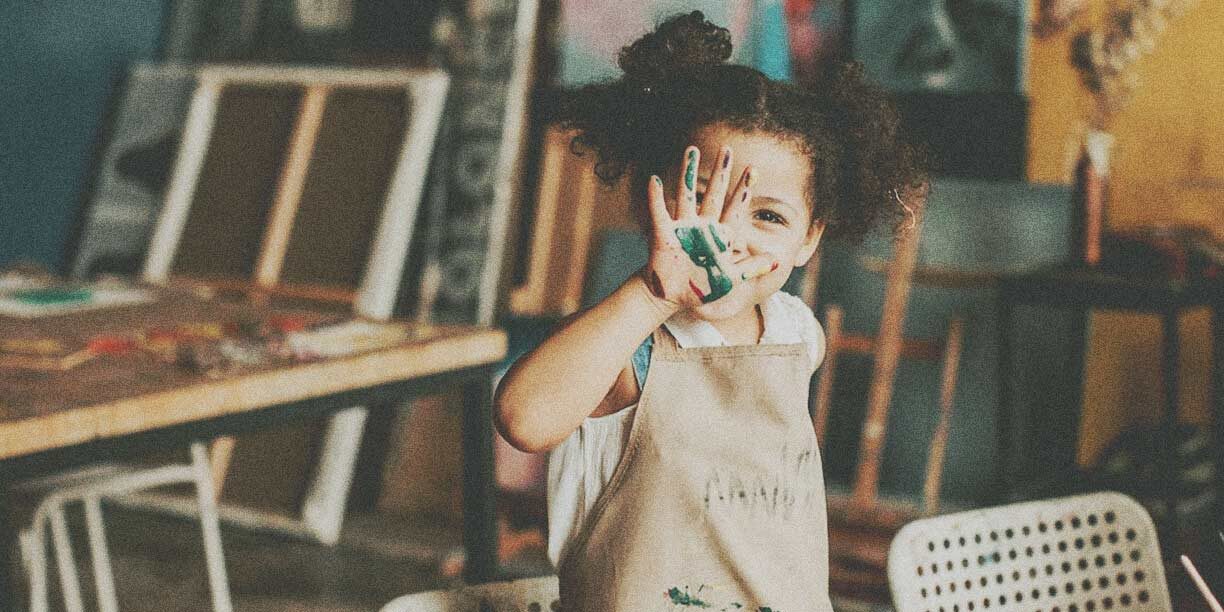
x: 690, y: 173
x: 53, y: 296
x: 722, y: 248
x: 694, y: 242
x: 682, y: 598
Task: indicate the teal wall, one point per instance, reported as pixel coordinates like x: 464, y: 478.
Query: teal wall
x: 59, y: 64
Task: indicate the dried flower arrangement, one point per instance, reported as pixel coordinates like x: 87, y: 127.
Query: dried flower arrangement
x: 1105, y: 55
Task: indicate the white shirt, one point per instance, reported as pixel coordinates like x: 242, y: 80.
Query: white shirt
x: 581, y: 466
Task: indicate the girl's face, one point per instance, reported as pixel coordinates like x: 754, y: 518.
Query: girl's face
x: 778, y: 222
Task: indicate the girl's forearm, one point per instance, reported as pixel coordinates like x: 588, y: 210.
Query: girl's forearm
x: 550, y: 390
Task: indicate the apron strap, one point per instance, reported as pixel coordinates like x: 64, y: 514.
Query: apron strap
x: 664, y: 342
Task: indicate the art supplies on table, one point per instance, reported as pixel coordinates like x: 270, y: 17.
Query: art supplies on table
x: 30, y: 300
x: 43, y: 354
x: 347, y: 338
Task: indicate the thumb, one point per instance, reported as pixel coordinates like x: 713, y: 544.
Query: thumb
x: 757, y: 265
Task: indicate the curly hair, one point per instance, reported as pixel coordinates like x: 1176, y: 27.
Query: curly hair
x: 677, y: 80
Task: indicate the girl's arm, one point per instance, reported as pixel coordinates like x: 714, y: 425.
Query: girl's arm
x: 550, y: 390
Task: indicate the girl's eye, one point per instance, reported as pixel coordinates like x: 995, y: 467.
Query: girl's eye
x: 768, y: 216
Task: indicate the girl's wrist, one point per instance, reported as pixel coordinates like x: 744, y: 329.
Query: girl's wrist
x: 641, y: 290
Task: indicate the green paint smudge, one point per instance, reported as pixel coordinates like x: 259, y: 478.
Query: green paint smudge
x: 53, y: 296
x: 690, y: 174
x: 682, y: 598
x: 694, y: 242
x: 722, y: 248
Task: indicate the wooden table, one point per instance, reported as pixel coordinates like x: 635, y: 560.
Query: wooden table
x: 1083, y: 289
x: 113, y: 403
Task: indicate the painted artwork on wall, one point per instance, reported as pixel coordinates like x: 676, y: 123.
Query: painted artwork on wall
x: 948, y: 46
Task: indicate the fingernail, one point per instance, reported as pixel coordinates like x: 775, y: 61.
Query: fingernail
x: 749, y: 177
x: 726, y: 158
x: 657, y: 180
x: 744, y: 197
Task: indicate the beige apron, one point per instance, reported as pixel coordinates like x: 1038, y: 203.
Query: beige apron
x: 718, y: 500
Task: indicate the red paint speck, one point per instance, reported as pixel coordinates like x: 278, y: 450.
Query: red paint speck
x: 693, y: 286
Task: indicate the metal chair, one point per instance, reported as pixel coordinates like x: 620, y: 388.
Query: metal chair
x: 528, y: 595
x: 88, y: 487
x: 1086, y: 553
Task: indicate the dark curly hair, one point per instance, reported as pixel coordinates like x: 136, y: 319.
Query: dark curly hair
x: 676, y: 80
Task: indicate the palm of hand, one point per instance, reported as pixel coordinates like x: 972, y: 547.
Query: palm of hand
x: 690, y: 261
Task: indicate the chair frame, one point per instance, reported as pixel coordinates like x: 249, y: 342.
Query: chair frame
x: 89, y: 487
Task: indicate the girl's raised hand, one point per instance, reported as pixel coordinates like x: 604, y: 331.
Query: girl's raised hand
x: 691, y: 259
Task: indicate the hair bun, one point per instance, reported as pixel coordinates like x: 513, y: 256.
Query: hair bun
x: 684, y: 41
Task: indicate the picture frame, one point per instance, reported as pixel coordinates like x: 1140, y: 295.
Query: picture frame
x: 267, y: 154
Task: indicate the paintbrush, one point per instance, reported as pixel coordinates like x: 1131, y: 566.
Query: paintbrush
x: 1202, y: 586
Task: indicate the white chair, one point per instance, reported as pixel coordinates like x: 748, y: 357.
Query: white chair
x: 1087, y: 553
x: 528, y: 595
x: 88, y: 487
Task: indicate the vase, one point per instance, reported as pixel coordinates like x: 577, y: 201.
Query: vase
x: 1090, y: 194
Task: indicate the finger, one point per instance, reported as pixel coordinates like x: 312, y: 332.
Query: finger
x: 738, y: 203
x: 686, y: 198
x: 757, y: 265
x: 719, y: 236
x: 660, y: 219
x: 716, y: 193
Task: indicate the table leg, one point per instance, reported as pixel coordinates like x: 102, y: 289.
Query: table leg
x: 1168, y: 426
x: 479, y: 482
x: 1004, y: 418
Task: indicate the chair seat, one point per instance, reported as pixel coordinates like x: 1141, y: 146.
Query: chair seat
x: 1086, y: 552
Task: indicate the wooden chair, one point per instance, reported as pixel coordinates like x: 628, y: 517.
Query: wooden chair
x: 861, y: 523
x: 531, y: 594
x: 1087, y: 552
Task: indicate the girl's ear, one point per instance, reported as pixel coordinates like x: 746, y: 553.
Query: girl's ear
x: 810, y: 242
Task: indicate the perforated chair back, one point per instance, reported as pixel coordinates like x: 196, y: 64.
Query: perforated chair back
x: 528, y: 595
x: 1087, y: 553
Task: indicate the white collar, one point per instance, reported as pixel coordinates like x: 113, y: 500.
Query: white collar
x: 691, y: 332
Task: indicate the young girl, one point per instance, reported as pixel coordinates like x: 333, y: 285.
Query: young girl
x: 685, y: 471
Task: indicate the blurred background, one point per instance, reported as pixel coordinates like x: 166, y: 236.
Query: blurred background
x: 1055, y: 125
